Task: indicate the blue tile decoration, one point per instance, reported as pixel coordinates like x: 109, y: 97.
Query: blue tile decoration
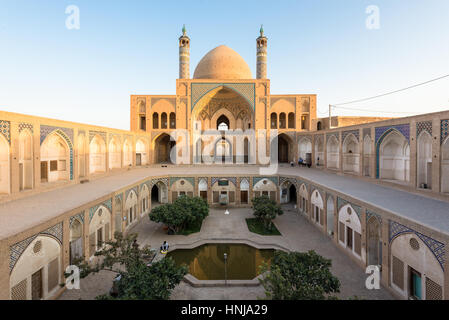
x: 346, y: 133
x: 291, y: 180
x: 119, y: 197
x: 147, y: 183
x: 370, y: 214
x: 444, y: 130
x: 273, y: 179
x: 299, y: 182
x: 437, y: 247
x: 65, y: 133
x: 366, y: 132
x: 342, y: 202
x: 191, y: 180
x: 16, y: 250
x: 423, y: 126
x: 247, y: 90
x: 135, y: 189
x: 23, y: 126
x: 232, y: 179
x: 163, y: 180
x: 330, y: 134
x: 79, y: 216
x: 107, y: 204
x: 382, y: 132
x: 93, y: 133
x: 5, y: 130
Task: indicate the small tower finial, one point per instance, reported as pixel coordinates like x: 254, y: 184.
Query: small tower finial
x: 184, y: 30
x: 261, y: 30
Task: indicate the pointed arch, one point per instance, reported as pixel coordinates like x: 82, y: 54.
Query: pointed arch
x: 115, y: 153
x: 333, y: 153
x: 25, y: 159
x: 99, y: 229
x: 97, y: 154
x: 445, y: 166
x: 304, y: 147
x: 141, y: 152
x: 127, y: 153
x: 374, y: 241
x: 317, y: 207
x: 367, y: 156
x: 350, y: 230
x: 393, y: 156
x: 424, y: 160
x: 56, y: 157
x: 351, y: 155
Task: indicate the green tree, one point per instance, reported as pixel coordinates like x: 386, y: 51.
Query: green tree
x: 183, y: 213
x: 140, y: 280
x: 266, y: 210
x: 299, y: 276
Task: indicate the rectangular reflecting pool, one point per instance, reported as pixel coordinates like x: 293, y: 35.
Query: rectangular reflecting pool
x: 207, y: 262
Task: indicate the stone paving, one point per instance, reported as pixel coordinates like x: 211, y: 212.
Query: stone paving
x: 298, y: 234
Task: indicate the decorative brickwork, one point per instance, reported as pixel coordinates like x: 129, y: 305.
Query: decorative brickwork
x: 247, y: 90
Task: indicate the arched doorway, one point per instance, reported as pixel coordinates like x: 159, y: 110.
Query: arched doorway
x: 333, y: 154
x: 304, y: 147
x: 424, y: 178
x: 76, y: 240
x: 283, y: 144
x: 127, y: 153
x: 351, y: 156
x: 163, y: 148
x: 374, y: 241
x: 223, y: 123
x: 394, y: 157
x: 317, y: 208
x: 55, y: 159
x: 366, y: 156
x: 99, y: 229
x: 292, y: 194
x: 223, y: 151
x: 25, y: 160
x: 350, y: 230
x: 115, y: 155
x: 319, y: 151
x: 97, y: 155
x: 141, y: 153
x: 155, y: 195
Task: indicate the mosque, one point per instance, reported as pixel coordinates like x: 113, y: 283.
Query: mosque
x: 66, y: 187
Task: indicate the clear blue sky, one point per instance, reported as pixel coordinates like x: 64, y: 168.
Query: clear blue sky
x: 131, y: 47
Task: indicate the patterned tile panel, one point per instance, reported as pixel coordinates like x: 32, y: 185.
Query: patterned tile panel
x: 342, y: 202
x: 93, y: 133
x: 437, y: 248
x: 330, y: 134
x: 191, y: 180
x: 5, y: 127
x: 79, y: 216
x: 404, y: 129
x: 444, y: 130
x: 65, y: 133
x: 291, y: 180
x: 119, y: 197
x: 163, y: 180
x: 370, y: 214
x: 367, y: 132
x: 275, y: 180
x: 136, y: 190
x: 232, y: 179
x: 424, y: 126
x: 107, y: 204
x: 23, y: 126
x: 247, y: 90
x: 16, y: 250
x: 346, y: 133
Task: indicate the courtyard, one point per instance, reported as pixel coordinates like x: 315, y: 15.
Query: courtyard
x: 298, y: 234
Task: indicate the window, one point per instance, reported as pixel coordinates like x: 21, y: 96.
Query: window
x: 274, y: 121
x: 349, y: 237
x: 54, y: 165
x: 172, y: 120
x: 415, y: 284
x: 282, y: 121
x: 155, y: 120
x: 143, y: 123
x: 291, y: 120
x: 164, y: 121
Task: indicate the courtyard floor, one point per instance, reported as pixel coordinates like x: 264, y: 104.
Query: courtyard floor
x: 298, y: 234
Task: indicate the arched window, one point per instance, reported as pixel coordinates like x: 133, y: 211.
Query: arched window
x: 282, y: 121
x: 319, y: 126
x: 291, y: 120
x: 274, y: 121
x: 172, y: 120
x: 163, y: 120
x: 222, y: 123
x: 155, y: 120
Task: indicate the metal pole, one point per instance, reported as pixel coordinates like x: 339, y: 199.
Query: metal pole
x: 225, y: 262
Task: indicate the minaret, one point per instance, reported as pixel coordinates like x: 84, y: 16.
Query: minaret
x: 184, y: 55
x: 262, y: 55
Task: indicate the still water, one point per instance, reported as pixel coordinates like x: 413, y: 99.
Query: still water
x: 207, y: 261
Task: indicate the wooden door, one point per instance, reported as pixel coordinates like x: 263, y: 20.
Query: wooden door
x: 244, y: 196
x: 36, y: 285
x: 44, y: 171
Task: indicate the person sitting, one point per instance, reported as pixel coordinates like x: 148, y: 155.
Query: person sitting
x: 300, y: 161
x: 164, y: 246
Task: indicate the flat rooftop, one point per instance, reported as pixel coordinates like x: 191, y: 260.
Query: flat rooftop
x: 19, y: 215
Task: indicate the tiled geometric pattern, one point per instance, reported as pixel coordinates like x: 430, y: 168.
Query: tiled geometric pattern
x: 118, y: 136
x: 382, y: 132
x: 404, y: 129
x: 291, y: 180
x: 305, y: 137
x: 135, y: 189
x: 232, y: 179
x: 16, y: 250
x: 191, y: 180
x: 342, y: 202
x: 119, y: 197
x: 163, y: 180
x: 247, y: 90
x: 370, y: 214
x: 5, y: 130
x: 330, y: 134
x: 424, y: 126
x: 367, y: 132
x: 244, y: 180
x: 46, y: 130
x: 23, y: 126
x: 107, y: 204
x: 444, y: 130
x: 437, y: 248
x: 147, y: 183
x: 346, y: 133
x: 275, y: 180
x: 79, y: 216
x: 66, y: 134
x: 321, y: 192
x: 300, y: 182
x: 92, y: 134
